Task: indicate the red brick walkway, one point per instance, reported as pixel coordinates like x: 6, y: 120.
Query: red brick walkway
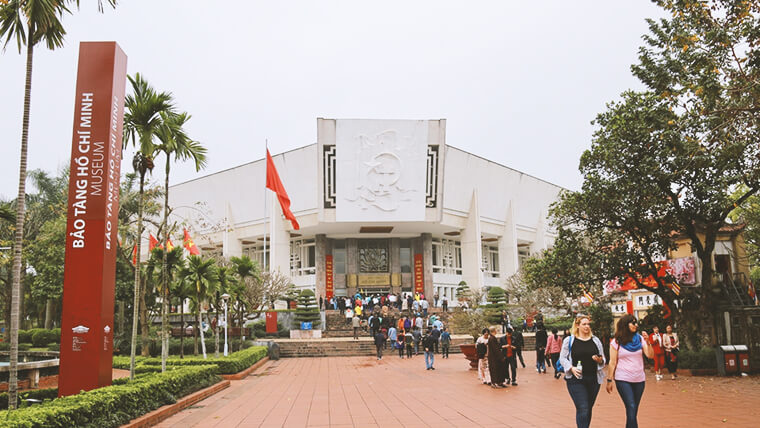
x: 362, y: 392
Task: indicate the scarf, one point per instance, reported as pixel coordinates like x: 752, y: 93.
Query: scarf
x: 634, y: 345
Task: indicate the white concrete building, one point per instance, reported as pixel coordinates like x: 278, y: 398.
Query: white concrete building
x: 374, y: 198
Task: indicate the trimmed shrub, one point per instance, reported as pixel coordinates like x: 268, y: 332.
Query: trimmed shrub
x: 54, y: 346
x: 703, y: 358
x: 497, y: 302
x: 34, y: 394
x: 24, y: 336
x: 307, y: 309
x: 231, y: 364
x: 41, y: 337
x: 113, y: 405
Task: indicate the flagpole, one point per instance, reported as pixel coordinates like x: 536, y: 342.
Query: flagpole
x: 264, y: 249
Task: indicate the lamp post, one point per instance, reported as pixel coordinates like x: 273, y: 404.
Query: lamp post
x: 225, y: 297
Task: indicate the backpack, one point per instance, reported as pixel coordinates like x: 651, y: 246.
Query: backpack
x: 559, y: 365
x: 481, y: 350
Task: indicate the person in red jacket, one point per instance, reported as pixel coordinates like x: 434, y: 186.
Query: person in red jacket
x: 655, y: 339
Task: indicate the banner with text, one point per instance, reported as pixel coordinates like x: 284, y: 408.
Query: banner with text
x: 91, y: 226
x: 419, y: 279
x: 328, y: 277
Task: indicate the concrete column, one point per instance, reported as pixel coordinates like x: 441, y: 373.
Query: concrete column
x: 539, y: 243
x: 352, y: 264
x: 231, y: 245
x: 281, y: 259
x: 508, y: 253
x: 427, y: 265
x: 395, y: 265
x: 322, y: 249
x: 472, y: 247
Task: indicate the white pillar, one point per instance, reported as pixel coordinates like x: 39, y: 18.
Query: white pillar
x: 508, y: 253
x: 231, y: 245
x: 472, y: 250
x: 539, y: 243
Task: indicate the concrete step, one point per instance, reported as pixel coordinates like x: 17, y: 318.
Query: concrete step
x: 341, y: 347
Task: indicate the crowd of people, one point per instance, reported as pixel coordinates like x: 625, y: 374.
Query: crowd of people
x: 405, y: 302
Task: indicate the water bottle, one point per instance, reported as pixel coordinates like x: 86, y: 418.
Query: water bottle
x: 579, y: 367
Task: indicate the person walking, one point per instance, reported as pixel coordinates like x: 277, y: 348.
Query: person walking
x: 481, y: 348
x: 553, y: 348
x: 436, y: 338
x: 626, y: 366
x: 671, y: 344
x: 508, y: 350
x: 427, y: 343
x: 408, y: 340
x: 356, y: 323
x: 504, y: 321
x: 445, y: 304
x: 655, y: 340
x: 392, y: 335
x: 425, y: 305
x: 585, y: 378
x: 541, y: 338
x: 417, y: 337
x: 445, y: 342
x: 419, y: 322
x: 496, y: 361
x: 379, y: 343
x: 374, y: 324
x: 519, y: 342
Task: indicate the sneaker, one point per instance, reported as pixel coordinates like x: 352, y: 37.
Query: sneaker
x: 514, y: 383
x: 432, y: 368
x: 538, y: 371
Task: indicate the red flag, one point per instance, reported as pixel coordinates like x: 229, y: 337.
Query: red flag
x: 152, y: 242
x: 169, y: 245
x: 134, y: 255
x: 190, y: 245
x: 274, y: 184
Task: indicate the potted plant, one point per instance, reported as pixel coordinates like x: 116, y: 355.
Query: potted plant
x: 471, y: 323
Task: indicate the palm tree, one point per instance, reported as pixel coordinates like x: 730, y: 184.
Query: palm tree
x: 247, y: 270
x: 29, y: 22
x: 182, y: 290
x: 174, y: 141
x: 142, y: 119
x: 202, y: 274
x: 173, y: 261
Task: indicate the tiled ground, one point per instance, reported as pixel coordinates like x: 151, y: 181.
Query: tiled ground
x: 364, y: 392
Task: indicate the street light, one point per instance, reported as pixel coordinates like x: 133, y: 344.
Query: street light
x: 225, y: 297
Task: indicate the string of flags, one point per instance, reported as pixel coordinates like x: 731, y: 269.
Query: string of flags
x: 187, y: 243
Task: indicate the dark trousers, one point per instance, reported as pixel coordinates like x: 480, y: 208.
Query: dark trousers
x: 409, y: 350
x: 445, y: 350
x: 670, y: 364
x: 540, y: 359
x: 435, y: 347
x: 512, y: 366
x: 401, y: 351
x: 518, y: 351
x: 555, y: 357
x: 379, y: 351
x: 631, y: 393
x: 583, y: 392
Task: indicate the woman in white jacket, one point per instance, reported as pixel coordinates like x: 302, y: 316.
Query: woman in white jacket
x: 585, y: 377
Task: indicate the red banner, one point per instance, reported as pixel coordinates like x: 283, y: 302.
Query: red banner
x: 419, y: 278
x: 93, y: 207
x: 271, y: 322
x: 328, y: 277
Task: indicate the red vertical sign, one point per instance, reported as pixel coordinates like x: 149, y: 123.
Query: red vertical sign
x: 419, y: 278
x: 328, y: 277
x: 93, y: 207
x: 271, y: 322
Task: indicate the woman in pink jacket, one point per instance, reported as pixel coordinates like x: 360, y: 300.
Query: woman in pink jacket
x: 553, y: 348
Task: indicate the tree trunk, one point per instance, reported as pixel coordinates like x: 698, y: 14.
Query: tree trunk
x: 216, y: 335
x: 138, y: 303
x: 165, y: 274
x: 200, y: 330
x: 49, y: 314
x: 144, y: 323
x: 240, y: 325
x: 19, y: 235
x: 181, y: 330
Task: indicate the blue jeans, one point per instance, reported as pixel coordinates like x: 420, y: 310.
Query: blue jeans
x: 540, y: 360
x: 429, y: 359
x: 631, y: 393
x: 583, y: 392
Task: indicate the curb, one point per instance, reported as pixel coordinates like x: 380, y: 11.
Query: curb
x: 164, y: 412
x: 245, y: 373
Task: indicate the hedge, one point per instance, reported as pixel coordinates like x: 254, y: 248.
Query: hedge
x: 113, y: 405
x: 700, y: 359
x: 34, y: 394
x: 231, y: 364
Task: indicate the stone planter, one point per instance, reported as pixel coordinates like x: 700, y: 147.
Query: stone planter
x: 472, y: 356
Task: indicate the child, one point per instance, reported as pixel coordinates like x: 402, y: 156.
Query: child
x: 400, y: 345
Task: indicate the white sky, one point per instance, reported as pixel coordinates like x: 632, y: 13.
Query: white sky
x: 518, y: 82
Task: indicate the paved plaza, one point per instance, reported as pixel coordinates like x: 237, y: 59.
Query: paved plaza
x: 364, y: 392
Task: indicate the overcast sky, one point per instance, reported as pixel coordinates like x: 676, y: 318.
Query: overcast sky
x: 518, y: 82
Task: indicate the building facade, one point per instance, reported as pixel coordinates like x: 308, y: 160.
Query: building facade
x: 383, y: 206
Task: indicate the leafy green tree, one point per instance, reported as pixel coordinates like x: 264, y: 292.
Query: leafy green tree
x: 201, y: 273
x: 246, y: 270
x: 142, y: 120
x: 175, y: 142
x: 162, y: 269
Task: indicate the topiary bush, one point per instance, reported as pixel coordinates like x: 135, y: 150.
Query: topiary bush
x: 41, y: 337
x: 497, y: 302
x: 307, y: 309
x: 24, y: 336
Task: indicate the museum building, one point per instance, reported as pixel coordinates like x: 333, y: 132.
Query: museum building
x: 383, y: 205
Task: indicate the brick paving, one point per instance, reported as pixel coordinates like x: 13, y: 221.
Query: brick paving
x: 364, y: 392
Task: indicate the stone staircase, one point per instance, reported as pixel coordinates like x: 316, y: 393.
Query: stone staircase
x: 345, y: 347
